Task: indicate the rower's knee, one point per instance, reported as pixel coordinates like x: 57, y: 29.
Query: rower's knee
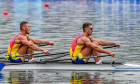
x: 31, y: 41
x: 96, y: 43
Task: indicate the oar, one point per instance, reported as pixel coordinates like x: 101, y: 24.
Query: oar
x: 109, y: 46
x: 9, y: 56
x: 65, y: 52
x: 95, y: 56
x: 2, y: 65
x: 68, y: 52
x: 75, y: 58
x: 57, y: 57
x: 52, y: 54
x: 38, y: 45
x: 43, y: 44
x: 13, y: 56
x: 134, y: 54
x: 3, y: 52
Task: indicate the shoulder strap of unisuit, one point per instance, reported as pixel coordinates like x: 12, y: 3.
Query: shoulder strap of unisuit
x: 16, y: 36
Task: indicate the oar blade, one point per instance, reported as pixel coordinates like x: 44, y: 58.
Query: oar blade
x: 2, y: 65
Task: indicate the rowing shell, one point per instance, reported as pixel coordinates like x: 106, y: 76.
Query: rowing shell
x: 70, y: 66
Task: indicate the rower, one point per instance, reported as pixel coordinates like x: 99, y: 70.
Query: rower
x: 84, y: 45
x: 21, y: 44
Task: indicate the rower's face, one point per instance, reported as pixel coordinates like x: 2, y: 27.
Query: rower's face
x: 27, y: 28
x: 90, y: 30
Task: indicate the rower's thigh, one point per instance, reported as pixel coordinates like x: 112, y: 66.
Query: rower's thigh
x: 23, y: 49
x: 87, y: 51
x: 94, y: 52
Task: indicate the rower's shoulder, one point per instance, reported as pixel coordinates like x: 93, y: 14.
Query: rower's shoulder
x: 21, y: 37
x: 85, y: 39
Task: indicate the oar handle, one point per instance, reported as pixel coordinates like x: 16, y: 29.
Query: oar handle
x: 43, y: 44
x: 52, y: 54
x: 110, y: 46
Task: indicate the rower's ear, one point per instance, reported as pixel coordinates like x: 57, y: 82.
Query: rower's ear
x: 86, y: 29
x: 23, y: 28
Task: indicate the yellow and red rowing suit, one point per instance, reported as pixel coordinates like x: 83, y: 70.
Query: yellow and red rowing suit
x: 13, y: 49
x: 76, y: 49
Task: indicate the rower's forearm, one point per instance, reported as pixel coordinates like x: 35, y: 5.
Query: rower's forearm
x: 35, y: 47
x: 38, y: 41
x: 105, y: 43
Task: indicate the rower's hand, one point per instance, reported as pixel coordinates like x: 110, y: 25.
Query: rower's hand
x: 117, y: 45
x: 51, y: 43
x: 46, y: 51
x: 112, y: 54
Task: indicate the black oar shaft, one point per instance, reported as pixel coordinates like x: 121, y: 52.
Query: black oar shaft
x: 38, y: 45
x: 2, y: 58
x: 26, y: 54
x: 43, y: 44
x: 10, y: 56
x: 51, y: 54
x: 3, y: 52
x: 45, y: 60
x: 13, y: 56
x: 94, y: 56
x: 109, y: 46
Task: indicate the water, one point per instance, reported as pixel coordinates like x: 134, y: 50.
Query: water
x: 113, y: 20
x: 69, y: 77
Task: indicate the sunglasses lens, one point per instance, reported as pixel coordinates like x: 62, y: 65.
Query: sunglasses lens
x: 92, y: 29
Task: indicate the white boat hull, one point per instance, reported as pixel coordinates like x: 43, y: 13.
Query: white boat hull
x: 70, y: 66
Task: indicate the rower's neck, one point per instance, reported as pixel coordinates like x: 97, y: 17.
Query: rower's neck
x: 85, y: 34
x: 23, y: 33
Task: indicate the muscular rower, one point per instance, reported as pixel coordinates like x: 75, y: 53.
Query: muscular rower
x: 84, y: 45
x: 21, y: 44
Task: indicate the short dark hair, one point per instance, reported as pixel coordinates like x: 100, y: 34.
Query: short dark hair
x: 22, y: 24
x: 85, y: 25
